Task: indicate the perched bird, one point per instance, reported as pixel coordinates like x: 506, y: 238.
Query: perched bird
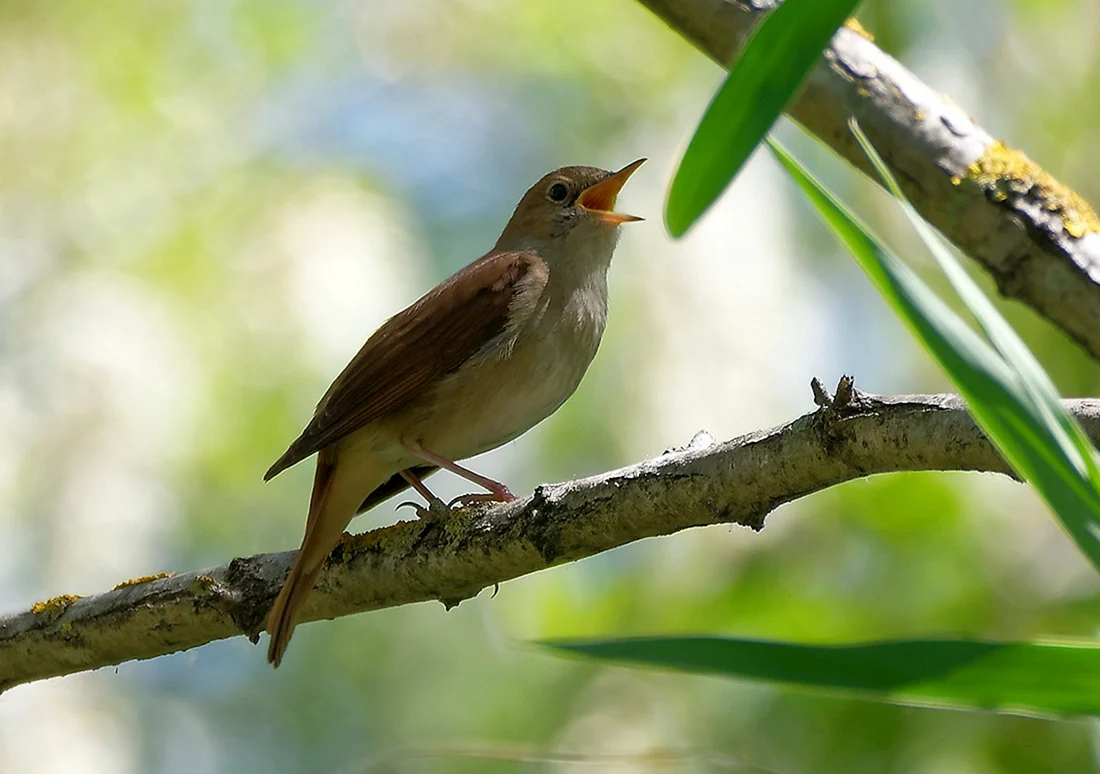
x: 479, y: 360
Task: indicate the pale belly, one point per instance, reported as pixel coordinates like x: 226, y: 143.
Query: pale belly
x: 474, y: 413
x: 497, y: 396
x: 500, y: 400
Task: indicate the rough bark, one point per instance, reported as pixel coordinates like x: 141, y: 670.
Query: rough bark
x: 1038, y: 239
x: 740, y: 481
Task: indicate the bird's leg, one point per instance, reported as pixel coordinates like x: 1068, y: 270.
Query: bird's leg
x: 498, y: 492
x: 436, y: 509
x: 421, y: 489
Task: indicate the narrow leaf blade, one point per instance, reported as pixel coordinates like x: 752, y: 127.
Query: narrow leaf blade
x: 998, y: 396
x: 760, y: 84
x: 1041, y: 679
x: 1069, y: 476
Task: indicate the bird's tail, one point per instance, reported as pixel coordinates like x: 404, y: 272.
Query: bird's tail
x: 337, y: 492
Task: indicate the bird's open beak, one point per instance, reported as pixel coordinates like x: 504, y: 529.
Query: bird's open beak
x: 599, y: 199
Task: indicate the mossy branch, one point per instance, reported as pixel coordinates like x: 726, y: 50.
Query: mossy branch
x: 1038, y: 239
x: 737, y: 482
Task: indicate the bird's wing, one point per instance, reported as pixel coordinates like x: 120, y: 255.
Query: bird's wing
x: 415, y: 348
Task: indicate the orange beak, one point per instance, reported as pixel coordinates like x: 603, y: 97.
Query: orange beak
x: 599, y: 199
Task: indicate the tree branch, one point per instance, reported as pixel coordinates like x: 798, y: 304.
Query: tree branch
x: 1038, y: 239
x: 737, y: 482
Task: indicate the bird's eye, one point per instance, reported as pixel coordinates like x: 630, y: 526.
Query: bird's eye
x: 558, y: 192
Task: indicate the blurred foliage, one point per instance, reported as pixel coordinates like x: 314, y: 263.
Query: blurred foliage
x: 206, y: 205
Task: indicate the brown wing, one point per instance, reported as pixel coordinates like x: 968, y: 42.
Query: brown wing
x: 393, y: 485
x: 413, y: 350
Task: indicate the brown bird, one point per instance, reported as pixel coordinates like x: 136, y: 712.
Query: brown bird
x: 482, y: 358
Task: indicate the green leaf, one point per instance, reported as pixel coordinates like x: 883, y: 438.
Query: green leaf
x: 1019, y: 678
x: 1071, y: 437
x: 1006, y: 390
x: 761, y: 81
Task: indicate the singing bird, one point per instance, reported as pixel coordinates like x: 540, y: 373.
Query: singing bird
x: 480, y: 359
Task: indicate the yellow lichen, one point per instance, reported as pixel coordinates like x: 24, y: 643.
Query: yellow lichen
x: 203, y: 585
x: 400, y: 536
x: 1002, y: 171
x: 54, y: 607
x: 142, y: 579
x: 858, y: 29
x: 374, y: 540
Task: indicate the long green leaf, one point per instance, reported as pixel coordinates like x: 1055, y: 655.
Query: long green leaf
x: 1019, y: 678
x: 1071, y: 437
x: 1007, y: 402
x: 761, y: 81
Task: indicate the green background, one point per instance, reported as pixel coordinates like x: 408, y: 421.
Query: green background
x: 206, y: 206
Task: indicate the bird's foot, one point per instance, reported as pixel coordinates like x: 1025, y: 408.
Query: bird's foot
x: 499, y: 494
x: 435, y: 511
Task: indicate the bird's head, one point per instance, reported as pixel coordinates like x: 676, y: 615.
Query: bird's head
x: 567, y: 205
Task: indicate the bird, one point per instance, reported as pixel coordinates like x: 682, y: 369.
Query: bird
x: 474, y: 363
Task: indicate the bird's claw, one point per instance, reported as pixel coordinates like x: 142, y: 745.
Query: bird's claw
x: 502, y: 495
x: 435, y: 511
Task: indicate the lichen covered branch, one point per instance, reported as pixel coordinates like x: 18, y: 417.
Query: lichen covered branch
x: 737, y: 482
x: 1038, y: 239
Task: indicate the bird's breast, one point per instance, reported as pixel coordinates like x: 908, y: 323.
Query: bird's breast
x: 522, y: 379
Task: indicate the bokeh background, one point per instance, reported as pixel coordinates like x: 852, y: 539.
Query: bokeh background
x: 207, y: 205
